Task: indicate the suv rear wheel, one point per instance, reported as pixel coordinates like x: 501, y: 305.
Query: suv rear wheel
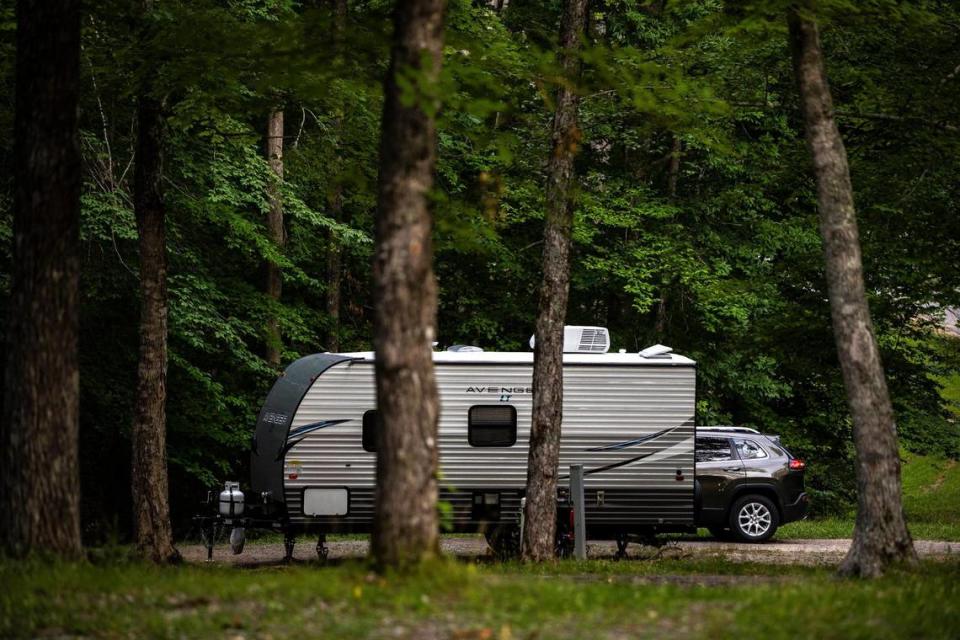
x: 754, y: 518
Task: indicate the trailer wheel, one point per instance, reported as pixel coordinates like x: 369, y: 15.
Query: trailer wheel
x: 754, y: 518
x: 504, y: 540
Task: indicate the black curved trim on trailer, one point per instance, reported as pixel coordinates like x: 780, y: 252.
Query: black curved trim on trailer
x: 298, y: 434
x: 632, y: 443
x: 276, y: 415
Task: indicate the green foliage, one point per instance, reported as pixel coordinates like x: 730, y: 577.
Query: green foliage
x: 695, y: 226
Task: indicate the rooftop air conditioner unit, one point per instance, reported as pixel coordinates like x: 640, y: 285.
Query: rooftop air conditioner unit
x: 583, y: 340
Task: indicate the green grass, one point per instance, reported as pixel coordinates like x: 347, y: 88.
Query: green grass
x: 950, y: 391
x: 675, y: 598
x: 841, y: 528
x: 931, y: 500
x: 666, y: 598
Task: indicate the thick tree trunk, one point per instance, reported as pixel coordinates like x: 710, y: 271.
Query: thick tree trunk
x: 405, y: 294
x: 151, y: 503
x: 544, y: 454
x: 880, y: 536
x: 39, y: 477
x: 275, y: 228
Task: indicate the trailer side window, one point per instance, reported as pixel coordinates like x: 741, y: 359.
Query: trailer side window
x: 492, y: 425
x: 371, y: 422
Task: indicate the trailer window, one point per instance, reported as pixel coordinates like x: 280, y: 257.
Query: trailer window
x: 492, y: 426
x: 371, y: 422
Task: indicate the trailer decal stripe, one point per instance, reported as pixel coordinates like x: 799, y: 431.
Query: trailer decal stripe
x: 631, y: 443
x: 655, y: 455
x: 298, y: 434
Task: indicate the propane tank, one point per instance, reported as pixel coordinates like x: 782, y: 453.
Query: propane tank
x: 231, y: 500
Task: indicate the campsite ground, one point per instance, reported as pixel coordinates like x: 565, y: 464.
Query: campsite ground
x: 693, y: 587
x: 667, y: 597
x: 808, y: 552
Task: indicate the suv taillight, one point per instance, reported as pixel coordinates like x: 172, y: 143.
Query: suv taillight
x: 797, y: 465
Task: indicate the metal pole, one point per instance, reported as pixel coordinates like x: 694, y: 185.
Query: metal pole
x: 523, y: 516
x: 579, y: 515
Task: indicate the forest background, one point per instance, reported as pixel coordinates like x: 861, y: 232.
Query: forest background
x: 696, y: 224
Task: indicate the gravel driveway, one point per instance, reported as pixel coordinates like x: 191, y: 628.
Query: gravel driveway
x: 802, y: 552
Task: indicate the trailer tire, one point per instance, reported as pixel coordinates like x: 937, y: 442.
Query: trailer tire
x: 504, y: 541
x: 754, y: 518
x: 720, y: 533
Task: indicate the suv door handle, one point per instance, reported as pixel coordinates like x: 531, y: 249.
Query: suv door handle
x: 732, y: 469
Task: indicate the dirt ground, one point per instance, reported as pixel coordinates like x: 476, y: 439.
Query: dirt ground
x: 801, y: 552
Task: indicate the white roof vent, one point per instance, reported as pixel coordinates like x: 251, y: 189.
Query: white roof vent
x: 656, y: 351
x: 583, y: 340
x: 464, y: 348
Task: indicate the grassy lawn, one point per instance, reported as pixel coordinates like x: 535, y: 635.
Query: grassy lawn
x: 843, y: 528
x: 931, y: 499
x: 667, y: 598
x: 675, y: 598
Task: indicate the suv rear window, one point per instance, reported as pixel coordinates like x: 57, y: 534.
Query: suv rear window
x: 749, y: 450
x: 713, y: 449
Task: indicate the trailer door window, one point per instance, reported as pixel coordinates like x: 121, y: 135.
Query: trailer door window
x: 492, y: 425
x: 713, y: 449
x: 371, y: 422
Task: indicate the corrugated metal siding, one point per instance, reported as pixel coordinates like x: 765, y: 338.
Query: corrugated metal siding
x: 603, y: 405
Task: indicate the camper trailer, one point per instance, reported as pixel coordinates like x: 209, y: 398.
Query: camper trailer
x: 628, y: 418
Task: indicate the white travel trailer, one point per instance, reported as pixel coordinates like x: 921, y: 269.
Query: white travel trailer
x: 628, y: 418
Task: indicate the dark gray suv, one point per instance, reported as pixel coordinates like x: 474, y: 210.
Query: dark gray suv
x: 747, y: 485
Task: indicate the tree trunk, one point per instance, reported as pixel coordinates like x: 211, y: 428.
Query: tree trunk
x: 334, y: 251
x: 660, y: 324
x: 334, y: 273
x: 151, y: 503
x: 39, y: 477
x: 405, y: 294
x: 880, y: 535
x: 339, y: 24
x: 274, y: 282
x: 544, y: 454
x: 674, y: 170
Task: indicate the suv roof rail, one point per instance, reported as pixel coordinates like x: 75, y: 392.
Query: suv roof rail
x: 730, y: 429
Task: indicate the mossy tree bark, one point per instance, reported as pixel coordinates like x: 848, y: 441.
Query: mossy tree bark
x: 543, y: 458
x: 880, y: 536
x: 405, y: 293
x: 39, y: 476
